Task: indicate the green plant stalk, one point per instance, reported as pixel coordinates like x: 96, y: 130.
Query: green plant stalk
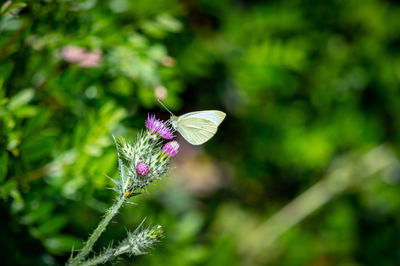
x: 111, y: 212
x: 103, y: 258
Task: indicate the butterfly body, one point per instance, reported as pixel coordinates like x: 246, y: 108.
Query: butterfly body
x: 198, y: 127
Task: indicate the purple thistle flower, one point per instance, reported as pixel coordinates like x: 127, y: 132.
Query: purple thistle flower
x: 159, y: 127
x: 142, y: 168
x: 171, y: 148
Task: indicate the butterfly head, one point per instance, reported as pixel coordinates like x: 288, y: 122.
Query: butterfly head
x: 174, y: 121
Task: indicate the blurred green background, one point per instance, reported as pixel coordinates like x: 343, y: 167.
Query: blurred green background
x: 303, y: 170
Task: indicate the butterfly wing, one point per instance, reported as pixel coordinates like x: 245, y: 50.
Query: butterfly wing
x: 196, y: 130
x: 212, y: 115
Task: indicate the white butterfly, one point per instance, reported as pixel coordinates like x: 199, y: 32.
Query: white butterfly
x: 198, y: 127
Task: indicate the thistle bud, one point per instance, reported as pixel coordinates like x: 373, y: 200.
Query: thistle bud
x: 142, y: 168
x: 143, y: 239
x: 171, y: 148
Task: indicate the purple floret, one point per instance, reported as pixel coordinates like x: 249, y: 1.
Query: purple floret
x: 159, y: 127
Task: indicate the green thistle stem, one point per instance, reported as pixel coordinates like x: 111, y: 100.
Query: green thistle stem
x: 111, y: 212
x: 107, y: 256
x: 137, y: 243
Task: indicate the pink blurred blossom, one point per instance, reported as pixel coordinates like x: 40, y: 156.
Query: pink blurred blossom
x: 160, y: 92
x: 81, y: 56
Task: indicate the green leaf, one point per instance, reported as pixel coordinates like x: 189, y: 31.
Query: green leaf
x: 157, y: 52
x: 10, y: 6
x: 169, y: 23
x: 26, y: 111
x: 39, y: 145
x: 62, y: 243
x: 3, y: 164
x: 53, y: 225
x: 153, y: 29
x: 38, y: 212
x: 20, y: 99
x: 5, y: 6
x: 7, y: 188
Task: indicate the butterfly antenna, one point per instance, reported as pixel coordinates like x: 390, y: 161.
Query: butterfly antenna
x: 164, y: 106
